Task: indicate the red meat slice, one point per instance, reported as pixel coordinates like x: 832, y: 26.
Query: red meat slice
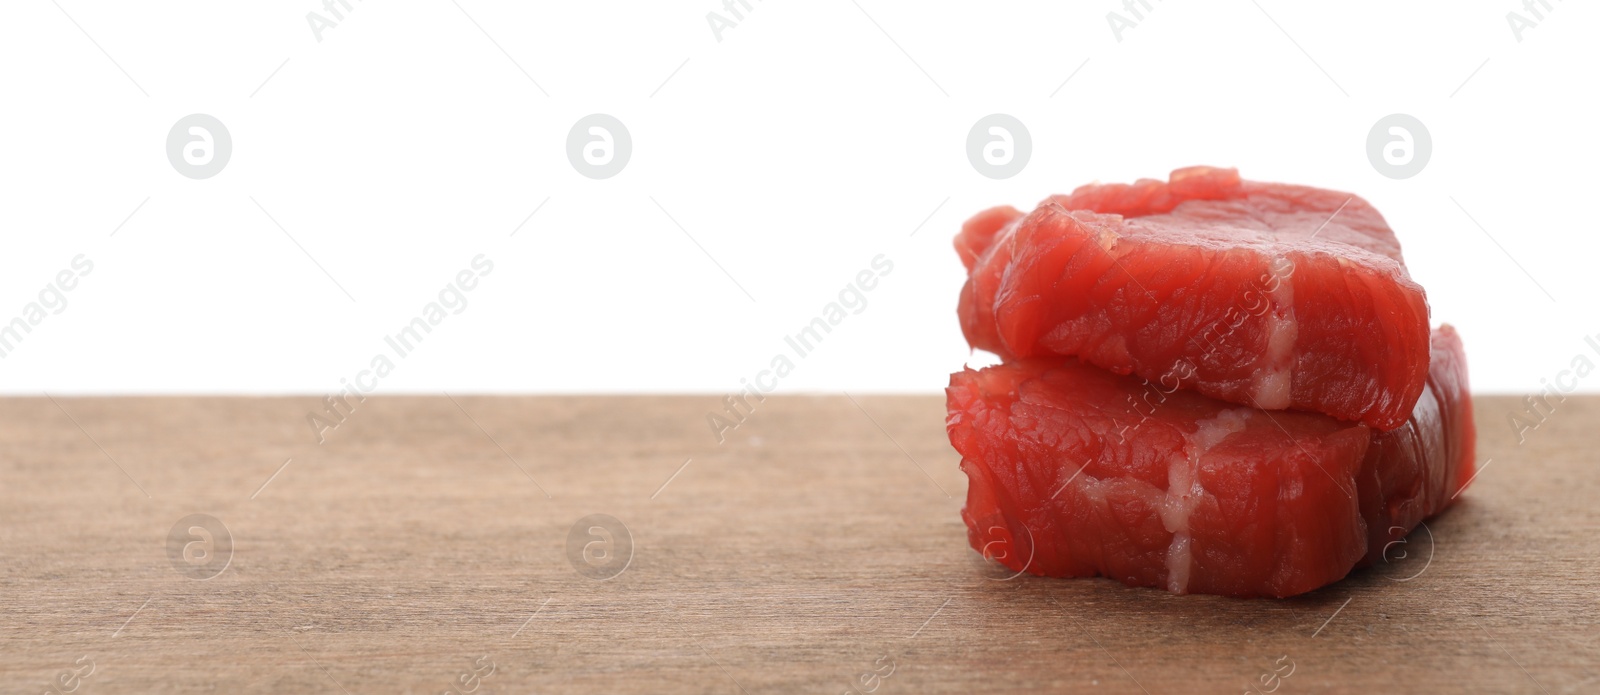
x: 1415, y: 471
x: 1260, y: 294
x: 1077, y: 472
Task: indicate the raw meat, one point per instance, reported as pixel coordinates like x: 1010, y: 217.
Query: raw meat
x: 1415, y: 471
x: 1074, y: 471
x: 1260, y: 294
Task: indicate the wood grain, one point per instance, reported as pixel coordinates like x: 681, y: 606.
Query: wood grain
x: 804, y: 551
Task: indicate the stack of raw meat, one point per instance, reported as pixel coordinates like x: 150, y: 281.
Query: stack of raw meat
x: 1208, y: 385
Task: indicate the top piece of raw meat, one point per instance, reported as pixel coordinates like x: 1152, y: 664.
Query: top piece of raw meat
x: 1262, y: 294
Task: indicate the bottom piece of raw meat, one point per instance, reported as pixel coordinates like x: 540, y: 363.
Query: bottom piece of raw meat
x: 1075, y: 472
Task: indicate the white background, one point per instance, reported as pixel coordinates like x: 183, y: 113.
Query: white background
x: 793, y: 151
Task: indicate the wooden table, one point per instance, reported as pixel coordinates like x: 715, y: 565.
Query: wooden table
x: 821, y: 541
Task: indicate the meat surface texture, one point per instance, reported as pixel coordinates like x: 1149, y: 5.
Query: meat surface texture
x: 1260, y: 294
x: 1075, y: 472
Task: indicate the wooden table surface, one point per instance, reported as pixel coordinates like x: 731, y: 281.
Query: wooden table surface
x: 428, y: 539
